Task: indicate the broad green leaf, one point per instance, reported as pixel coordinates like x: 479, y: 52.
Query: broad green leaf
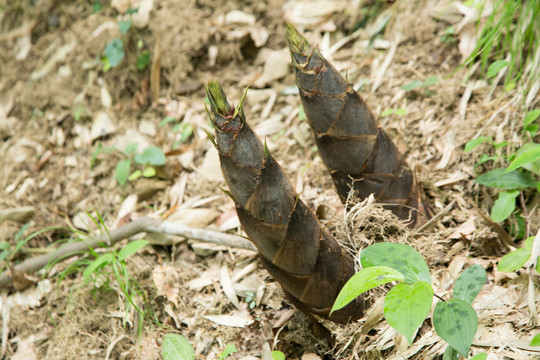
x: 229, y: 349
x: 407, y: 306
x: 400, y: 257
x: 531, y: 116
x: 278, y: 355
x: 122, y: 171
x: 149, y: 172
x: 431, y: 80
x: 412, y: 85
x: 536, y: 340
x: 495, y: 67
x: 135, y: 175
x: 151, y: 155
x: 451, y: 354
x: 525, y: 157
x: 176, y: 347
x: 387, y: 112
x: 514, y: 260
x: 471, y: 144
x: 504, y: 205
x: 166, y: 120
x: 481, y: 356
x: 532, y: 129
x: 95, y: 265
x: 529, y: 242
x: 469, y: 283
x: 497, y: 178
x: 534, y: 166
x: 125, y: 25
x: 500, y: 144
x: 114, y: 51
x: 131, y: 248
x: 363, y: 281
x: 142, y: 60
x: 456, y: 323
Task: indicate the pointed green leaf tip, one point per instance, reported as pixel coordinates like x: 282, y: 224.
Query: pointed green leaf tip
x: 217, y: 98
x: 297, y: 42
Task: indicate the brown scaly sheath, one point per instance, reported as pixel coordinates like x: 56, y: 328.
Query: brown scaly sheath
x: 358, y: 153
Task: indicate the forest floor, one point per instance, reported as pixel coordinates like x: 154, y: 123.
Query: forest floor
x: 65, y: 122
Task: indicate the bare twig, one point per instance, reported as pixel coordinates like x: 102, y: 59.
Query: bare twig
x: 437, y: 217
x: 137, y: 226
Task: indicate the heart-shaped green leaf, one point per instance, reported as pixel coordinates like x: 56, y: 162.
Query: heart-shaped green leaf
x: 176, y: 347
x: 407, y: 306
x: 363, y: 281
x: 469, y: 283
x: 400, y: 257
x: 456, y: 322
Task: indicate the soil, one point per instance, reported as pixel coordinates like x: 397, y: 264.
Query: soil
x: 55, y: 90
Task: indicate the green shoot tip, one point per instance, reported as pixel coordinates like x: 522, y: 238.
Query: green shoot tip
x: 297, y: 42
x: 217, y: 98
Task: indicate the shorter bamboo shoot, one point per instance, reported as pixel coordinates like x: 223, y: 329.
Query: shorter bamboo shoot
x: 358, y: 153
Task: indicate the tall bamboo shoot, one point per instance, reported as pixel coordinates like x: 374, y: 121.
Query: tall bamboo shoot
x: 308, y: 263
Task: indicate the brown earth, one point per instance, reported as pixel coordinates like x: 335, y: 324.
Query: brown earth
x: 54, y: 90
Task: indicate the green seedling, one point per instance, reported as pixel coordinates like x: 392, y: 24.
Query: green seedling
x: 115, y: 49
x: 516, y: 259
x: 392, y: 111
x: 429, y: 81
x: 522, y: 173
x: 409, y: 302
x: 184, y: 129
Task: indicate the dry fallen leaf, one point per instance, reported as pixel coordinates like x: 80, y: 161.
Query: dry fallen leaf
x: 162, y: 283
x: 230, y: 320
x: 227, y: 286
x: 210, y: 169
x: 275, y: 67
x: 102, y: 125
x: 25, y: 350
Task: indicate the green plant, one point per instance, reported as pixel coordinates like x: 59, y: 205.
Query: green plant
x: 109, y: 270
x: 229, y: 350
x: 145, y: 162
x: 509, y: 40
x: 409, y: 302
x: 250, y: 300
x: 449, y: 36
x: 114, y: 50
x: 519, y: 174
x: 185, y: 129
x: 149, y: 158
x: 429, y: 81
x: 390, y: 111
x: 516, y: 259
x: 176, y: 347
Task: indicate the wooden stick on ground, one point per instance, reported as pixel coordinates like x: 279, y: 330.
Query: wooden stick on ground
x: 135, y: 227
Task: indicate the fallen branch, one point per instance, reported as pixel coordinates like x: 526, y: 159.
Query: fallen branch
x: 135, y: 227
